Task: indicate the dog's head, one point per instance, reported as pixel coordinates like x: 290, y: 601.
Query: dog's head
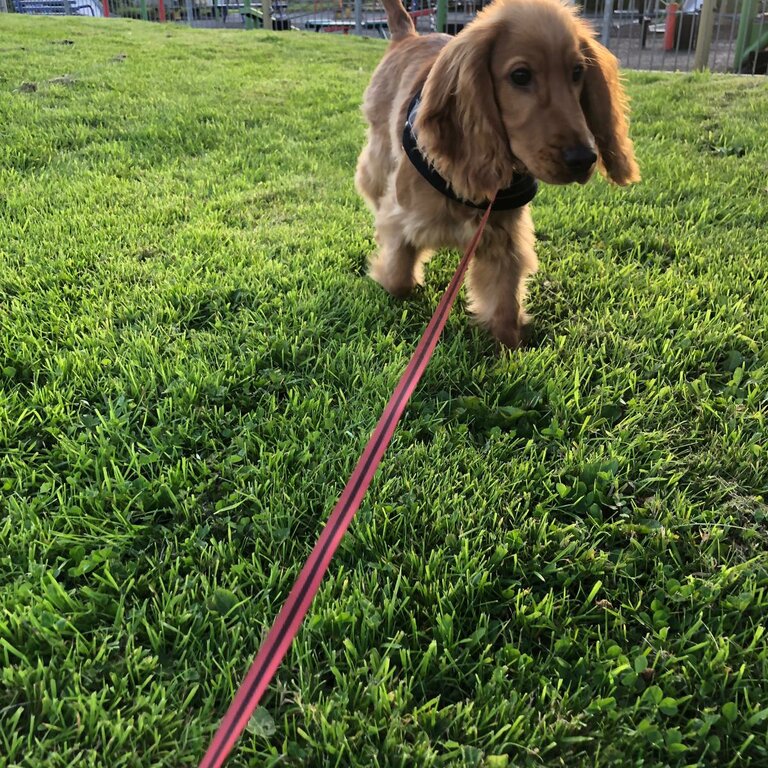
x: 525, y: 87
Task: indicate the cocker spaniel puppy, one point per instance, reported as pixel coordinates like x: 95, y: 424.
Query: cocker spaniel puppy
x: 523, y: 93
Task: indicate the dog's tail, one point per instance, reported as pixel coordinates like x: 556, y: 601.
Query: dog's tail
x: 399, y: 20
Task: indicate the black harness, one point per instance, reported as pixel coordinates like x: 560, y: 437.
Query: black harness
x: 519, y: 193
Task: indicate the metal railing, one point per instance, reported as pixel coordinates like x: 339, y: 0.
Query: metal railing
x: 721, y: 35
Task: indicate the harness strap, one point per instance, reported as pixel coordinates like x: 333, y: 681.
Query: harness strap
x: 519, y: 193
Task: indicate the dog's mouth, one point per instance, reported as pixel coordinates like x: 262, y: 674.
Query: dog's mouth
x: 579, y: 161
x: 555, y: 171
x: 582, y: 177
x: 570, y: 165
x: 559, y: 173
x: 520, y: 168
x: 563, y: 176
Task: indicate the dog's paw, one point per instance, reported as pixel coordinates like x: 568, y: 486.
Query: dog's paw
x: 394, y: 284
x: 509, y: 338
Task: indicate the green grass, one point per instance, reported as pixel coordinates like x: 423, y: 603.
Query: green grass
x: 563, y: 560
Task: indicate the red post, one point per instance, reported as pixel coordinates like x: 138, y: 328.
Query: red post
x: 106, y: 9
x: 670, y: 27
x: 161, y: 10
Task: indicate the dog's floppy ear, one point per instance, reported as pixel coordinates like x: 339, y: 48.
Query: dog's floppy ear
x: 606, y: 109
x: 459, y: 127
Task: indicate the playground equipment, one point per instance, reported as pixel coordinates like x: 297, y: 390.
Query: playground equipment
x: 751, y: 40
x: 278, y: 13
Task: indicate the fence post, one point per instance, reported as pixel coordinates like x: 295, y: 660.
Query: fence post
x: 358, y: 17
x: 143, y: 7
x: 442, y: 15
x: 704, y: 41
x: 605, y: 35
x: 748, y: 12
x: 3, y: 6
x: 266, y: 12
x: 105, y: 8
x: 161, y: 10
x: 190, y: 12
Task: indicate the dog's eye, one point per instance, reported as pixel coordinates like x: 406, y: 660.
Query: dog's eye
x: 578, y: 73
x: 522, y: 76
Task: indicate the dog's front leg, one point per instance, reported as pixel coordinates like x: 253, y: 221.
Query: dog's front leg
x: 398, y: 264
x: 394, y: 266
x: 497, y: 277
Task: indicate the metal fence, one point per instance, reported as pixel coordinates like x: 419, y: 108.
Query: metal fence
x: 722, y: 35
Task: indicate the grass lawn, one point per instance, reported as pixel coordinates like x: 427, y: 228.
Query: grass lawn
x: 563, y: 560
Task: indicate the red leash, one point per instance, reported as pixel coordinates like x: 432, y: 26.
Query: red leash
x: 292, y: 613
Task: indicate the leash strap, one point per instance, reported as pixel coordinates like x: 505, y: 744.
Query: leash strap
x: 295, y: 608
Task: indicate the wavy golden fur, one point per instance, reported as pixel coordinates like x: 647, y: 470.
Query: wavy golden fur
x: 524, y: 88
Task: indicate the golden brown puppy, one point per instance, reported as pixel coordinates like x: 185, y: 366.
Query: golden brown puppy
x: 522, y: 90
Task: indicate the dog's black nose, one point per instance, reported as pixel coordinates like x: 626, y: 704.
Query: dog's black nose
x: 579, y: 159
